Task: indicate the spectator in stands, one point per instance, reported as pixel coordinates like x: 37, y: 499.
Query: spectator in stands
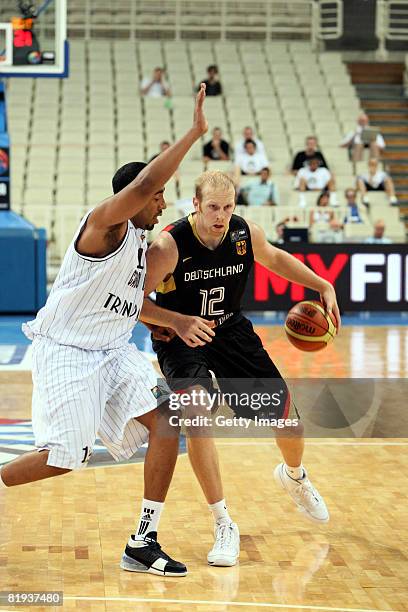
x: 315, y: 178
x: 217, y: 148
x: 353, y: 213
x: 311, y: 151
x: 164, y: 145
x: 282, y: 225
x: 156, y: 86
x: 214, y: 87
x: 248, y: 134
x: 322, y: 214
x: 376, y: 180
x: 262, y: 192
x: 364, y: 136
x: 279, y: 232
x: 378, y: 236
x: 251, y: 161
x: 334, y: 234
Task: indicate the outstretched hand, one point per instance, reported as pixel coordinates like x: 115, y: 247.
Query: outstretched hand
x: 200, y: 122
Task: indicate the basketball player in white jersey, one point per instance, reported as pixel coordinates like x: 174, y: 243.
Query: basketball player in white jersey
x: 88, y: 379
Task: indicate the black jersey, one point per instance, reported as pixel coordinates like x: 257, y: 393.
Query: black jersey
x: 208, y: 283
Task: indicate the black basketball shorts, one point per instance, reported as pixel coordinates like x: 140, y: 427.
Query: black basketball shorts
x: 241, y: 366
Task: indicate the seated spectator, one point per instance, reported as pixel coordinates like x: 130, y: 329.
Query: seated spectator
x: 282, y: 225
x: 214, y: 87
x: 315, y: 178
x: 334, y: 234
x: 364, y: 137
x: 216, y: 148
x: 378, y: 236
x: 279, y: 232
x: 322, y: 214
x: 155, y: 86
x: 353, y: 213
x: 251, y: 161
x: 248, y: 134
x: 262, y: 192
x: 302, y: 158
x: 164, y: 145
x: 376, y: 180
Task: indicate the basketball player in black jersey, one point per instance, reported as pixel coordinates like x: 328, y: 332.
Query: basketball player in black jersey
x: 199, y: 266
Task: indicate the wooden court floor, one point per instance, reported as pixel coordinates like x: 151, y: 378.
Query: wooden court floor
x: 67, y: 534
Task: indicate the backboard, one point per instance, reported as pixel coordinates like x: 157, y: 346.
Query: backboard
x: 33, y: 38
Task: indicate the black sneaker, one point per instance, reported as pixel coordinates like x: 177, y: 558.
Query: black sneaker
x: 147, y: 556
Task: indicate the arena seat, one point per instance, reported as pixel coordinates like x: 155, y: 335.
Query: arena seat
x: 283, y: 89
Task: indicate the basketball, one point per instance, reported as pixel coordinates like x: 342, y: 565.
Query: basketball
x: 309, y: 327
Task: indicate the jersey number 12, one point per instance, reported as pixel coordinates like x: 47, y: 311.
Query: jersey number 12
x: 208, y: 306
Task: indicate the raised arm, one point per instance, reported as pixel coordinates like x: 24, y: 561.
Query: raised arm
x: 292, y: 269
x: 128, y: 202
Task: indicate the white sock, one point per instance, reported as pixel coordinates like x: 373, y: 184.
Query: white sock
x: 2, y: 485
x: 295, y: 472
x: 220, y: 512
x: 149, y: 517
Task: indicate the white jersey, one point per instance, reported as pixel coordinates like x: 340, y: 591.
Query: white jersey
x: 95, y: 302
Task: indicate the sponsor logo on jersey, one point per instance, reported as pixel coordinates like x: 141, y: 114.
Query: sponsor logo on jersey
x: 135, y: 279
x: 158, y: 391
x: 238, y: 235
x: 241, y: 247
x: 120, y: 306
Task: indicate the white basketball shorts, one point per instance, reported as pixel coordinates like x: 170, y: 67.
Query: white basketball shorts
x: 80, y: 395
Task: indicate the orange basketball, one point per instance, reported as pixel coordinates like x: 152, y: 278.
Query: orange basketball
x: 309, y: 327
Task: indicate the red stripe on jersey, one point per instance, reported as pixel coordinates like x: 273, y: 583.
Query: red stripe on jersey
x: 168, y: 228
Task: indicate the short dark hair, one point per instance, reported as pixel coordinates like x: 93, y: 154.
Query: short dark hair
x: 250, y: 141
x: 212, y: 67
x: 126, y: 174
x: 266, y: 169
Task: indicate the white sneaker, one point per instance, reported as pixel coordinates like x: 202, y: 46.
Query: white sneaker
x: 303, y: 493
x: 225, y: 551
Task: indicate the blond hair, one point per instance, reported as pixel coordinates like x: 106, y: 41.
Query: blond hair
x: 213, y: 179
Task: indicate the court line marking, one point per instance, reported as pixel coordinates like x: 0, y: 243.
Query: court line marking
x: 308, y: 443
x: 201, y: 602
